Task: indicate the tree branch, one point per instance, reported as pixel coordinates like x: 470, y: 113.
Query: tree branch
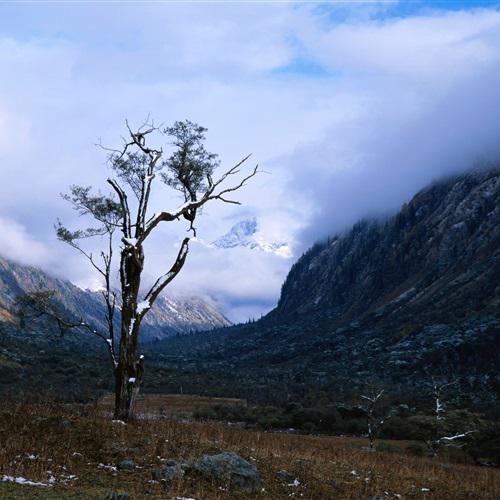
x: 41, y: 304
x: 164, y: 280
x: 210, y: 194
x: 122, y: 196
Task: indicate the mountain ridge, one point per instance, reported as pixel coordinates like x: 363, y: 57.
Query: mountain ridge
x: 444, y: 228
x: 169, y: 316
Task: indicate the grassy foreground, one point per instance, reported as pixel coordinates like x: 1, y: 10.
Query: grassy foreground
x: 74, y: 449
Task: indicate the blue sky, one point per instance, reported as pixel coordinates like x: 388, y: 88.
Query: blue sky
x: 349, y: 107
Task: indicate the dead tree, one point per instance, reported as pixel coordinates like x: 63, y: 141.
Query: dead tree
x: 438, y: 437
x: 374, y: 421
x: 139, y: 167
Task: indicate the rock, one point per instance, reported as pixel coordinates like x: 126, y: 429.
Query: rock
x: 122, y: 450
x: 229, y: 467
x: 283, y: 475
x: 37, y: 419
x: 117, y: 496
x: 126, y: 465
x: 168, y: 474
x: 56, y: 423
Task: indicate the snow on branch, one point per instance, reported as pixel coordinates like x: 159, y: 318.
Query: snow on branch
x: 456, y: 436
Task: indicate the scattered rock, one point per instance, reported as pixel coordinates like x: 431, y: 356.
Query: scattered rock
x: 37, y: 419
x: 115, y: 495
x: 230, y: 467
x: 122, y: 450
x: 51, y: 422
x: 168, y: 474
x: 126, y: 465
x: 170, y: 462
x: 283, y: 475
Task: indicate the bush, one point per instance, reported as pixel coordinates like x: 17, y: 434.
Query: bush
x: 387, y: 447
x: 401, y: 428
x: 416, y: 449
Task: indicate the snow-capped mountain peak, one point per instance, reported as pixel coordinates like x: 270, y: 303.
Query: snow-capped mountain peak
x: 239, y: 234
x: 245, y: 233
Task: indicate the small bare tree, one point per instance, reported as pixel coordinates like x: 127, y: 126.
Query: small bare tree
x: 137, y: 168
x: 374, y: 421
x: 439, y: 428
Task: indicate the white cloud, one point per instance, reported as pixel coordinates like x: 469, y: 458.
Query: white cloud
x: 16, y: 244
x: 449, y: 44
x: 417, y: 101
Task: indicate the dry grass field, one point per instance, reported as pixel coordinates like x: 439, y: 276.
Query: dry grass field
x: 73, y: 450
x: 168, y: 405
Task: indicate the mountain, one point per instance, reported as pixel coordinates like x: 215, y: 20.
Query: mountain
x: 170, y: 315
x: 437, y: 259
x: 395, y: 301
x: 246, y: 234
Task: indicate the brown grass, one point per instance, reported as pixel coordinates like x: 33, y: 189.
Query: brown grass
x: 179, y: 405
x: 74, y: 439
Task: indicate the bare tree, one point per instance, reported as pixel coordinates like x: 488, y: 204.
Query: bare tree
x: 137, y: 168
x: 438, y: 437
x: 374, y: 421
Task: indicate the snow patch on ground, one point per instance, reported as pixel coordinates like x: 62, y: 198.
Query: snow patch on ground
x: 22, y: 480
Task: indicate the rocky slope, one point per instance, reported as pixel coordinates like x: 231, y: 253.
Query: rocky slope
x: 170, y: 315
x: 395, y: 301
x: 438, y: 258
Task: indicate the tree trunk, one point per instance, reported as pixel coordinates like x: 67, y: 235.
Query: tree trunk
x: 370, y: 436
x: 128, y: 377
x: 122, y: 400
x: 128, y: 380
x: 130, y: 369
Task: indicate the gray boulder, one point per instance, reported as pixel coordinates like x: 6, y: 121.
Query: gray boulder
x: 123, y: 450
x: 283, y: 475
x: 117, y: 496
x: 168, y: 462
x: 126, y: 465
x: 168, y: 474
x: 231, y: 468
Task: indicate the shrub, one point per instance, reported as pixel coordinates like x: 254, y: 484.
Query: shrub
x: 387, y: 447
